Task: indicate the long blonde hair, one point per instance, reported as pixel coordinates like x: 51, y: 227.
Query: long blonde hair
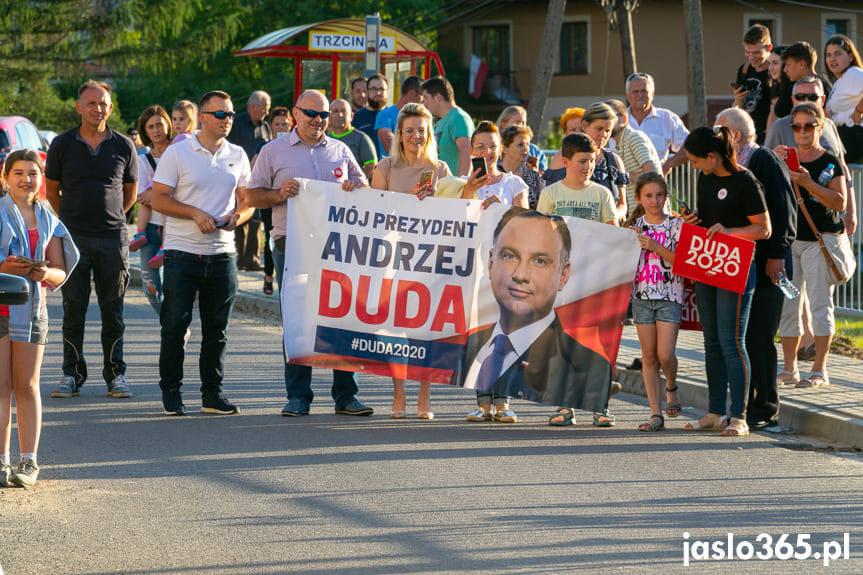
x: 429, y: 151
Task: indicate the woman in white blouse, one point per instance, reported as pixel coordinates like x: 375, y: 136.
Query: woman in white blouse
x: 845, y: 103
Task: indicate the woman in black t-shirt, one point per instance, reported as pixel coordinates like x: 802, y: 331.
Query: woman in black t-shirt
x: 821, y: 183
x: 730, y: 201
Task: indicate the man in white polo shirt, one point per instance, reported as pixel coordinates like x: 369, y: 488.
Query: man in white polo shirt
x: 200, y: 184
x: 664, y: 128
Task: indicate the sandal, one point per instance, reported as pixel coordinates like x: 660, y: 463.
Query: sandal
x: 815, y: 379
x: 651, y: 426
x: 268, y: 287
x: 565, y: 412
x: 138, y: 242
x: 714, y: 422
x: 603, y: 419
x: 672, y: 409
x: 737, y: 428
x: 785, y: 377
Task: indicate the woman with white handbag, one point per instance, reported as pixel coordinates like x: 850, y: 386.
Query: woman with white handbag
x: 822, y: 193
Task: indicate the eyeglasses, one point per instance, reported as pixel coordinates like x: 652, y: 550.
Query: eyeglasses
x: 483, y: 147
x: 221, y: 114
x: 376, y: 89
x: 806, y: 97
x: 410, y: 133
x: 314, y: 113
x: 797, y: 128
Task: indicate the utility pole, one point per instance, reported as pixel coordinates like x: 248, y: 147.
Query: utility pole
x: 696, y: 98
x: 545, y: 65
x: 620, y: 20
x: 627, y: 38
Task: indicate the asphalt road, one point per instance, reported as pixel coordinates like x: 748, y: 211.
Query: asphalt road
x: 125, y: 489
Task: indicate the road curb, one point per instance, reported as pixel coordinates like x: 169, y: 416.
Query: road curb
x: 801, y: 417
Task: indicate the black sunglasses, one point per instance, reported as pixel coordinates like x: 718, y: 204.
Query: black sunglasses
x: 314, y: 113
x: 220, y: 114
x: 806, y: 97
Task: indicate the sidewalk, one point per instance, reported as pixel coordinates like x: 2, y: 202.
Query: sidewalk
x: 833, y: 413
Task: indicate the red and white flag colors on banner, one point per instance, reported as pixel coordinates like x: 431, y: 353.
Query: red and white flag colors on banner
x: 478, y: 73
x: 384, y: 283
x: 722, y: 261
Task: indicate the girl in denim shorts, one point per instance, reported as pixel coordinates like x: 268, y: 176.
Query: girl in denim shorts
x: 33, y: 245
x: 657, y: 296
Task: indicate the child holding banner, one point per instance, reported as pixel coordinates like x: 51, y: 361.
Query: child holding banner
x: 411, y: 168
x: 576, y: 195
x: 657, y: 296
x: 730, y: 201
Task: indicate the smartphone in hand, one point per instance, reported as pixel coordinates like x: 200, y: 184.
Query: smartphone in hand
x: 792, y: 160
x: 32, y: 262
x: 426, y: 178
x: 683, y: 206
x: 479, y: 164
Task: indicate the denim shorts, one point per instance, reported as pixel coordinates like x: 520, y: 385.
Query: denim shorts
x: 650, y: 311
x: 38, y: 331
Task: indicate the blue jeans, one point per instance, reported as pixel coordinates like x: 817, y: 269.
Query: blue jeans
x: 298, y: 378
x: 148, y: 276
x: 724, y: 317
x: 214, y: 280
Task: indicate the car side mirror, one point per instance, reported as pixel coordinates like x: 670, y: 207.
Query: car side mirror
x: 14, y: 290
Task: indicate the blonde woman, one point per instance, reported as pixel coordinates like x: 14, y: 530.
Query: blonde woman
x: 411, y: 168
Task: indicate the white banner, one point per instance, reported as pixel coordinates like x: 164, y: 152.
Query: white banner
x: 384, y: 283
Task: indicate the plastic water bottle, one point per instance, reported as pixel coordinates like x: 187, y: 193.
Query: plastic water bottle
x: 787, y: 287
x: 826, y: 175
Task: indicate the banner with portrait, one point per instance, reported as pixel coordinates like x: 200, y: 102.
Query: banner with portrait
x: 384, y: 283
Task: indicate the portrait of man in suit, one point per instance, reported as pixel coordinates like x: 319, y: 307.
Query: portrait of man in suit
x: 527, y: 353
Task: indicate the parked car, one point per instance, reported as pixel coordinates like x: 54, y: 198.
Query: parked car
x: 17, y: 132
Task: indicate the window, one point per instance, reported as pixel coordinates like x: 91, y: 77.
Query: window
x: 491, y: 45
x: 573, y: 48
x: 833, y: 23
x: 772, y: 22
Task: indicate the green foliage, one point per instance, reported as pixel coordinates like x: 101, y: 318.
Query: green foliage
x: 159, y: 51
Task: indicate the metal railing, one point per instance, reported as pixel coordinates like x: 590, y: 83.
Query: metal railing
x: 847, y: 298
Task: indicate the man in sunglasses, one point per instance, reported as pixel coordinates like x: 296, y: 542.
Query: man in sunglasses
x: 307, y: 152
x: 780, y: 137
x: 200, y: 184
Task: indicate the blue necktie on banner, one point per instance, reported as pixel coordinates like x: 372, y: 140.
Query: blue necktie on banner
x: 489, y: 371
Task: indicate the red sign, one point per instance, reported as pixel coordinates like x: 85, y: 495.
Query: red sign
x: 722, y: 261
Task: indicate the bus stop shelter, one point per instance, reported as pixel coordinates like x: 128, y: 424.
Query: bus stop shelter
x: 327, y: 54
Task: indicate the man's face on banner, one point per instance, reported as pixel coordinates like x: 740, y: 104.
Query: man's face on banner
x: 526, y: 271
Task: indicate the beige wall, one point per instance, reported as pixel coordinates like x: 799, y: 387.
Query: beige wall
x: 659, y: 42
